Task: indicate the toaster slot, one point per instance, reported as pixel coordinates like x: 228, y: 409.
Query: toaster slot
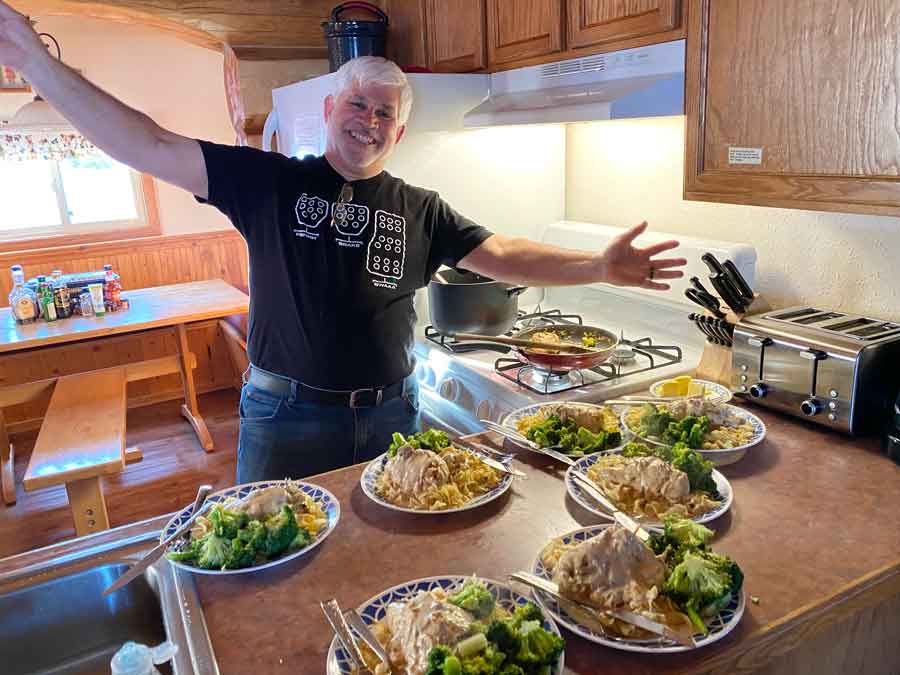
x: 871, y: 332
x: 850, y: 326
x: 818, y: 318
x: 796, y: 314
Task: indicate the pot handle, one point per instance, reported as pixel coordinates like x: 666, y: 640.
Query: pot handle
x: 516, y: 290
x: 335, y: 13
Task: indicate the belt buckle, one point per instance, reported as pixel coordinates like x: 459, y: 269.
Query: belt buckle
x: 356, y: 394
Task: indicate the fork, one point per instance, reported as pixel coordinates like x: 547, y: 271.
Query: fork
x: 516, y: 437
x: 335, y: 618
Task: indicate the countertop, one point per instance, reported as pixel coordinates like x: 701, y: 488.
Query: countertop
x: 813, y: 526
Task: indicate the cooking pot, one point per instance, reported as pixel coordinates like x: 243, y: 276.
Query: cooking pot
x: 465, y: 302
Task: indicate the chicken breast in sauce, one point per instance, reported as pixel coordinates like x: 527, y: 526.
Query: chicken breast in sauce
x: 589, y: 417
x: 648, y: 475
x: 414, y: 470
x: 418, y: 625
x: 613, y: 569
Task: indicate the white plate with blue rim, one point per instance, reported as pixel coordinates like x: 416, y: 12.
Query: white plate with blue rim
x: 375, y: 608
x: 718, y: 456
x: 584, y: 499
x: 512, y: 419
x: 375, y: 468
x: 719, y: 626
x: 329, y: 503
x: 711, y: 390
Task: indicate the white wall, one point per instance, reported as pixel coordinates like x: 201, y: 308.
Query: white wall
x: 622, y: 172
x: 179, y: 85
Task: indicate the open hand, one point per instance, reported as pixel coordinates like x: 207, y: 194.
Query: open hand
x: 19, y: 43
x: 626, y: 265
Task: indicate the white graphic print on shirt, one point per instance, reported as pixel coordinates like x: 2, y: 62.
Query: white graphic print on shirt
x: 349, y: 220
x: 387, y: 249
x: 311, y: 212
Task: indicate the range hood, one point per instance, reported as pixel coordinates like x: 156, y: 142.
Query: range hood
x: 642, y: 82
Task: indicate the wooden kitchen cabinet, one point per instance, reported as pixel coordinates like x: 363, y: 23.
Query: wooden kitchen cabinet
x: 794, y: 104
x: 520, y: 29
x: 596, y: 22
x: 454, y: 35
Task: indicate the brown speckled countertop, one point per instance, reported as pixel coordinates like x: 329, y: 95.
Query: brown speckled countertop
x: 814, y: 523
x: 814, y: 526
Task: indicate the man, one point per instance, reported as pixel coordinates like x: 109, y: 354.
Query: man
x: 337, y: 249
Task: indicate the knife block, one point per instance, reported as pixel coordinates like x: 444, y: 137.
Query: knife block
x: 715, y: 363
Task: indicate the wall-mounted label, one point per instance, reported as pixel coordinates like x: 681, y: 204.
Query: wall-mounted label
x: 744, y: 155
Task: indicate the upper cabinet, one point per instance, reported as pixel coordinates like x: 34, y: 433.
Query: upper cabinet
x: 595, y: 22
x: 454, y: 35
x: 521, y: 29
x: 794, y: 104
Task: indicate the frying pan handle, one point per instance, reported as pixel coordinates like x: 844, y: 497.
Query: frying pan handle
x: 516, y: 290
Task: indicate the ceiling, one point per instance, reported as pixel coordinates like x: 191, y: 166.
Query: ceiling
x: 264, y: 29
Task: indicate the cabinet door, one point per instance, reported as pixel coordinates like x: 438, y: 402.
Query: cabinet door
x: 520, y: 29
x: 805, y: 117
x: 455, y: 35
x: 593, y: 22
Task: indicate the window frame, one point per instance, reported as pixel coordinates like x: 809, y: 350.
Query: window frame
x: 148, y: 214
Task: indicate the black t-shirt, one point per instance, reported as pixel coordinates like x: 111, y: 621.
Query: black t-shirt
x: 331, y: 305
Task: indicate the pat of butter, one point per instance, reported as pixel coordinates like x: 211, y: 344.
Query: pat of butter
x: 696, y: 389
x: 670, y: 388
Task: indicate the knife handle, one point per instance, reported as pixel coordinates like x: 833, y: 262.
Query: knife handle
x: 737, y: 279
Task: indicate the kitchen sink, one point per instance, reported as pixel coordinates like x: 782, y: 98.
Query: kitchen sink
x: 55, y: 620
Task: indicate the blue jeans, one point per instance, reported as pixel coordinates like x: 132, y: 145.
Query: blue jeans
x: 282, y: 437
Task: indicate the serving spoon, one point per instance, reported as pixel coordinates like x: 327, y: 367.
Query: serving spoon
x: 563, y: 347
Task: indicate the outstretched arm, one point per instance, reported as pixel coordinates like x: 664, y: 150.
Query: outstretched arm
x: 123, y: 133
x: 522, y: 261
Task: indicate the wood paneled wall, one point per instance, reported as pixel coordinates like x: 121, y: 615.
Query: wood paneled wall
x: 141, y: 263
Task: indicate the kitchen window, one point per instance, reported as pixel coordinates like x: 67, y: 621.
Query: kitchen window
x: 89, y: 198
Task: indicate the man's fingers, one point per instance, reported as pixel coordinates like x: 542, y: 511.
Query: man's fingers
x: 661, y: 263
x: 656, y: 249
x: 630, y: 235
x: 667, y: 274
x: 653, y: 285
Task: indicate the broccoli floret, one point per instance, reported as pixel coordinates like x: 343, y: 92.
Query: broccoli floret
x: 213, y: 551
x: 698, y: 432
x: 653, y: 422
x: 485, y: 662
x: 226, y: 523
x: 436, y: 658
x: 528, y: 612
x: 281, y: 529
x: 302, y: 540
x: 475, y: 598
x: 432, y: 439
x: 538, y: 647
x: 511, y: 669
x: 698, y: 470
x: 504, y: 635
x: 397, y: 441
x: 189, y: 554
x: 686, y: 532
x: 699, y: 581
x: 253, y: 534
x: 239, y: 555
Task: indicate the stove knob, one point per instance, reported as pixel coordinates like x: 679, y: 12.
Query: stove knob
x: 811, y: 407
x: 759, y: 390
x: 425, y: 375
x: 449, y: 389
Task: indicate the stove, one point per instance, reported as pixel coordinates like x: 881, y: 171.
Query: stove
x: 463, y: 382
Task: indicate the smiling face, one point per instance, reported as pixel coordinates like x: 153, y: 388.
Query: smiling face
x: 363, y: 127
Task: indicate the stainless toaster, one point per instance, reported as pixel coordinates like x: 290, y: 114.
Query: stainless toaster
x: 840, y: 370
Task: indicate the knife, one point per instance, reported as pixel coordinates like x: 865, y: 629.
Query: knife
x: 701, y: 289
x: 738, y: 281
x: 490, y: 461
x: 621, y: 518
x: 720, y: 281
x: 519, y: 439
x: 356, y: 622
x: 632, y: 618
x: 335, y: 618
x: 703, y: 328
x: 714, y: 327
x: 156, y: 553
x: 705, y: 300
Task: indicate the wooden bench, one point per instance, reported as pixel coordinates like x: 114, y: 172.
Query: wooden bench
x: 81, y: 439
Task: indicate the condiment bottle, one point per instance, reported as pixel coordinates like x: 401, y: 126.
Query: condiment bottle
x: 61, y: 296
x: 22, y: 300
x: 45, y: 299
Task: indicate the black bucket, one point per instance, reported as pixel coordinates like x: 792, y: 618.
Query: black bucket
x: 349, y: 39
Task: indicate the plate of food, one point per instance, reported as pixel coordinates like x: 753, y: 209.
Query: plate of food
x: 652, y: 483
x: 425, y: 473
x: 721, y: 432
x: 686, y: 386
x: 473, y: 625
x: 580, y: 428
x: 254, y: 526
x: 675, y: 579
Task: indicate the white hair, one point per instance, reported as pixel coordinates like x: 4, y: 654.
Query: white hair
x: 375, y: 70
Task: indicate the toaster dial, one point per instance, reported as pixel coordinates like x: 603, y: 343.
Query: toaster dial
x: 811, y: 406
x: 759, y: 390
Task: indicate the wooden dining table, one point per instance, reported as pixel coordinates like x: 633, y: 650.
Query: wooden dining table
x: 176, y: 306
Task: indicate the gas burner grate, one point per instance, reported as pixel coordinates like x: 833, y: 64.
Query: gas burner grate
x: 524, y: 320
x: 648, y: 356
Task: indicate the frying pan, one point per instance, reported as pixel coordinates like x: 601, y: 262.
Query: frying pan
x: 606, y: 342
